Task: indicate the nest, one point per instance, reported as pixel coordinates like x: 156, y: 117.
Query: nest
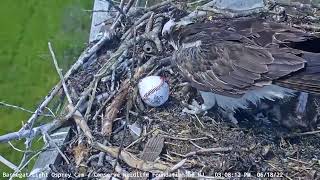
x: 116, y: 135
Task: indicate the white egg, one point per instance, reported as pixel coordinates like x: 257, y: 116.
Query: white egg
x: 154, y: 90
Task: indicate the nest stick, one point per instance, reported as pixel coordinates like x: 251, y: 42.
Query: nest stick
x: 56, y: 146
x: 150, y: 23
x: 24, y: 164
x: 91, y: 99
x: 125, y: 11
x: 22, y: 109
x: 103, y: 105
x: 8, y: 163
x: 78, y: 118
x: 131, y: 159
x: 65, y: 88
x: 159, y: 5
x: 206, y: 150
x: 116, y: 7
x: 233, y: 13
x: 113, y: 109
x: 139, y: 23
x: 83, y: 58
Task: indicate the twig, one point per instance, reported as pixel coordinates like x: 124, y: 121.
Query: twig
x: 125, y: 11
x: 149, y: 23
x: 22, y: 109
x: 56, y: 146
x: 15, y: 148
x: 139, y: 139
x: 116, y: 7
x: 199, y: 121
x: 212, y: 150
x: 235, y: 13
x: 8, y: 163
x: 131, y: 159
x: 65, y: 88
x: 113, y: 109
x: 103, y: 105
x: 313, y: 27
x: 185, y: 138
x: 172, y: 169
x: 24, y: 164
x: 32, y: 132
x: 91, y: 99
x: 159, y: 5
x: 118, y: 168
x: 102, y: 155
x: 78, y: 118
x: 129, y: 106
x: 301, y: 134
x: 299, y: 161
x: 91, y: 158
x: 51, y: 112
x: 196, y: 145
x: 140, y: 22
x: 196, y: 2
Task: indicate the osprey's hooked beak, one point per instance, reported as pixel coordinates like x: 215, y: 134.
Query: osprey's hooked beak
x: 167, y: 32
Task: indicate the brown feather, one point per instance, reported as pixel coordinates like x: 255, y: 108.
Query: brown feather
x: 234, y: 56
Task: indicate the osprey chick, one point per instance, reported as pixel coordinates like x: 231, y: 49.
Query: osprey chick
x: 235, y: 62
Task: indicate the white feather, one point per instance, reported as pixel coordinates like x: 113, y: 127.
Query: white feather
x: 271, y: 92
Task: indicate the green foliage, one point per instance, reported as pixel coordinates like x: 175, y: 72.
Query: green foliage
x: 26, y: 69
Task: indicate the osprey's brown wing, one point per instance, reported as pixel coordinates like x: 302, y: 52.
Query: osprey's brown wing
x: 229, y: 63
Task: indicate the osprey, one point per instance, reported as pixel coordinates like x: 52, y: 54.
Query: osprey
x: 236, y: 62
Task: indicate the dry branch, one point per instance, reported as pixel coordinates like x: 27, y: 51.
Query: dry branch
x: 80, y: 121
x: 131, y: 159
x: 59, y: 71
x: 8, y: 163
x: 211, y: 150
x: 113, y: 109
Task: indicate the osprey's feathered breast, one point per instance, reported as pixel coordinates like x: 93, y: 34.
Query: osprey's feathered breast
x: 228, y: 60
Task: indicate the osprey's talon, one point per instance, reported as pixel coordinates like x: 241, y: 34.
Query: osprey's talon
x: 229, y: 116
x: 194, y: 108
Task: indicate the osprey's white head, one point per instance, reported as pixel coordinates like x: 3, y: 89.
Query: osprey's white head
x: 169, y: 29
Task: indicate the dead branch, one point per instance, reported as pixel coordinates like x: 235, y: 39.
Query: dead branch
x: 301, y: 134
x: 31, y: 132
x: 8, y: 163
x: 113, y: 109
x: 80, y: 121
x: 233, y: 13
x: 59, y: 71
x: 131, y: 159
x: 51, y: 142
x: 207, y: 150
x: 22, y: 109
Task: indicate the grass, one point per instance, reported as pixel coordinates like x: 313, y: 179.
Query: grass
x: 26, y: 69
